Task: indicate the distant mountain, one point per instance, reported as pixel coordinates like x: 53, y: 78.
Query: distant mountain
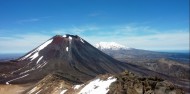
x: 119, y: 51
x: 110, y: 45
x: 173, y: 64
x: 9, y: 56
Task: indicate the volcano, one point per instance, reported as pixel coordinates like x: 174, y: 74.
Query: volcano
x: 69, y: 56
x: 65, y: 59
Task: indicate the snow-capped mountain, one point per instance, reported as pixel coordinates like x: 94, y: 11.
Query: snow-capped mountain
x: 110, y: 45
x: 67, y: 55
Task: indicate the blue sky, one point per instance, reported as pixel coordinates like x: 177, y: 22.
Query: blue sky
x: 142, y: 24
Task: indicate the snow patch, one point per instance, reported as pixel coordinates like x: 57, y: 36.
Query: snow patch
x: 77, y: 86
x: 67, y: 49
x: 42, y: 65
x: 81, y: 40
x: 38, y: 91
x: 38, y: 66
x: 34, y: 56
x: 17, y: 78
x: 16, y: 70
x: 27, y: 71
x: 63, y: 92
x: 7, y: 83
x: 26, y: 56
x: 44, y: 45
x: 70, y: 38
x: 33, y: 90
x: 110, y: 45
x: 39, y: 59
x: 36, y: 51
x: 97, y: 86
x: 64, y: 36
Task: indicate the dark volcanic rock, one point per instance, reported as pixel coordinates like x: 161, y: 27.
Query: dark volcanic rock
x: 123, y: 83
x: 128, y: 83
x: 68, y: 55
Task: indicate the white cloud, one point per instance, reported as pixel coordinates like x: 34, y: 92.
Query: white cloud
x: 150, y: 39
x: 32, y: 20
x: 164, y: 41
x: 75, y: 30
x: 144, y: 37
x: 28, y: 20
x: 154, y: 40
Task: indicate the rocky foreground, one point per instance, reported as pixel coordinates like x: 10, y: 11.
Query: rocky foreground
x: 123, y: 83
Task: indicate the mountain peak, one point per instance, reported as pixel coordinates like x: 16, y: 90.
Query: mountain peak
x: 66, y: 36
x: 110, y: 45
x: 67, y: 55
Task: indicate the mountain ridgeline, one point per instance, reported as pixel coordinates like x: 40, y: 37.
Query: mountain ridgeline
x: 71, y: 60
x: 68, y: 55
